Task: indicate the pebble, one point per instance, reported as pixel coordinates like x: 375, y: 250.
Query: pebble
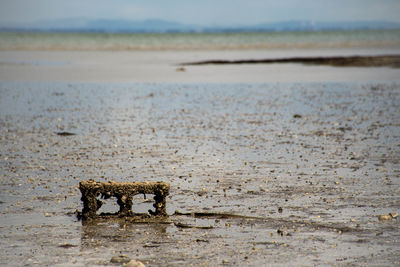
x: 120, y: 259
x: 388, y: 216
x: 133, y: 263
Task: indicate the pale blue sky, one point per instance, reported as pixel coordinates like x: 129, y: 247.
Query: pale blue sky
x: 202, y: 12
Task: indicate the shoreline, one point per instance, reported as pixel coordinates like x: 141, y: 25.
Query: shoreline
x: 288, y: 40
x: 165, y: 66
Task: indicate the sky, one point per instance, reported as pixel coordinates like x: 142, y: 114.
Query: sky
x: 201, y: 12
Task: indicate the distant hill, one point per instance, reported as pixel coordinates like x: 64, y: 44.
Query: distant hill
x: 157, y: 26
x: 103, y: 25
x: 317, y: 26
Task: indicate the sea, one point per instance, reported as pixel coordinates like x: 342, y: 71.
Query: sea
x: 211, y: 41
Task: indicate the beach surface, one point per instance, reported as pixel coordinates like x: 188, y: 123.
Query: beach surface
x: 279, y: 164
x: 164, y: 66
x: 302, y: 172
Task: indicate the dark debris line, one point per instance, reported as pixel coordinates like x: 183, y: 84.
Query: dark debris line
x: 350, y: 61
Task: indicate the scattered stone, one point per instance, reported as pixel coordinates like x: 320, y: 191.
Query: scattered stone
x: 65, y: 133
x: 384, y: 217
x: 282, y: 233
x: 133, y: 263
x: 151, y: 245
x: 120, y: 259
x: 389, y: 216
x: 67, y: 245
x: 182, y: 225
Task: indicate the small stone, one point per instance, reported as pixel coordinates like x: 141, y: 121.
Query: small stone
x: 120, y: 259
x: 389, y: 216
x: 384, y: 217
x: 65, y: 133
x: 133, y: 263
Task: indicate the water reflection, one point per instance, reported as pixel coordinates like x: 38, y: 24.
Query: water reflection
x: 125, y: 234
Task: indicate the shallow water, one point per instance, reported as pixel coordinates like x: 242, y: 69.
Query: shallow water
x: 327, y: 154
x: 178, y: 41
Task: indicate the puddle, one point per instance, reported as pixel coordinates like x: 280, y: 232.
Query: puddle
x: 35, y: 63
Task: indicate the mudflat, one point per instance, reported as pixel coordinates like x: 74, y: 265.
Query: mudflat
x: 165, y: 66
x: 260, y: 173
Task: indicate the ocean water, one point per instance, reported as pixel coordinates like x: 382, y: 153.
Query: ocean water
x: 176, y: 41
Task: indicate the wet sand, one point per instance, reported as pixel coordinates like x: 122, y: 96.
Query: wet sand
x: 164, y: 66
x: 305, y: 167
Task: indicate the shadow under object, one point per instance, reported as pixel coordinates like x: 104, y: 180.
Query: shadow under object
x: 124, y: 193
